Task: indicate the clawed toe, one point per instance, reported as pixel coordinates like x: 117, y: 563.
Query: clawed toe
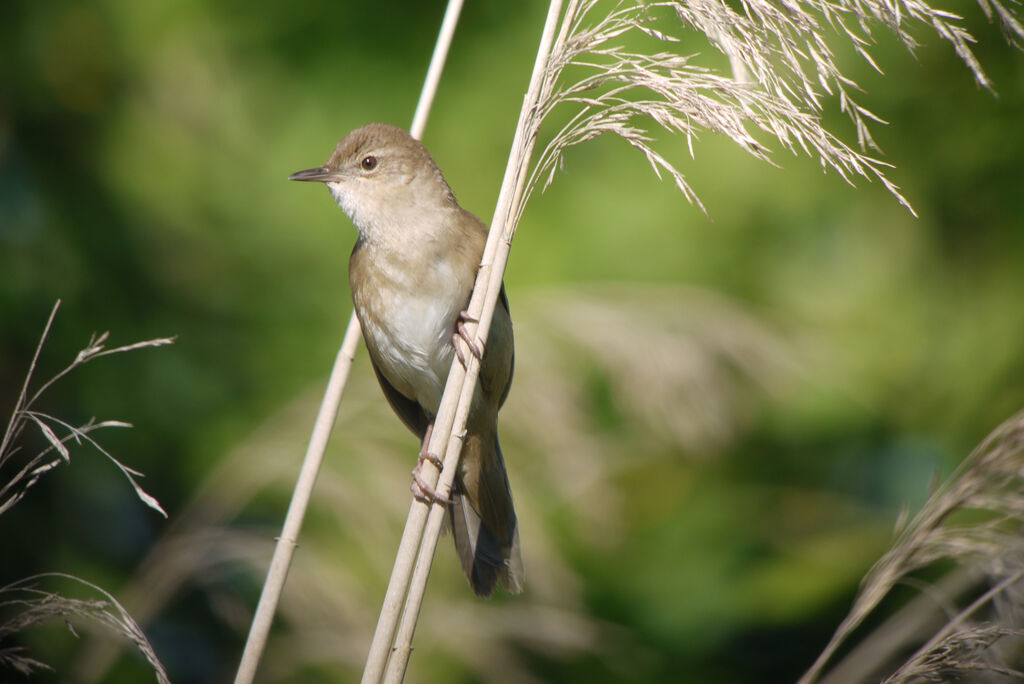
x: 423, y: 492
x: 420, y: 489
x: 461, y: 333
x: 431, y: 458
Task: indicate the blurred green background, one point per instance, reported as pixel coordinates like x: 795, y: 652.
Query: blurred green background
x: 714, y: 422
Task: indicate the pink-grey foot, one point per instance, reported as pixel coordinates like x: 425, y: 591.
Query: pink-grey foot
x: 463, y: 334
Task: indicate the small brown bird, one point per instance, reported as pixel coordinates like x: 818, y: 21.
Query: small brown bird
x: 411, y: 273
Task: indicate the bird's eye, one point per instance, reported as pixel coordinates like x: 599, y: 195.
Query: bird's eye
x: 369, y: 163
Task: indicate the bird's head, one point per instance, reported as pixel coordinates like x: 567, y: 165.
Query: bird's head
x: 382, y: 178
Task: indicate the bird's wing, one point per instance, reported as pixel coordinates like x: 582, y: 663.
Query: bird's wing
x: 409, y: 410
x: 499, y: 357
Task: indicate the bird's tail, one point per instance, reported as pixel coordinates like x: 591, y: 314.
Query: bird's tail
x: 483, y: 520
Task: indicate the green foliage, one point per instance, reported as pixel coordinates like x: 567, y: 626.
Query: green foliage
x: 143, y: 154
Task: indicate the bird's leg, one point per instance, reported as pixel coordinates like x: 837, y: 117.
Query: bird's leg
x: 425, y: 454
x: 420, y: 489
x: 462, y: 334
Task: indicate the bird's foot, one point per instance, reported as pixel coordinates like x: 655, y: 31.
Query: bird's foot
x: 420, y: 489
x: 427, y: 456
x: 461, y: 334
x: 424, y: 492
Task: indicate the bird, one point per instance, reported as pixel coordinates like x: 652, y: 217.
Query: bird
x: 411, y: 274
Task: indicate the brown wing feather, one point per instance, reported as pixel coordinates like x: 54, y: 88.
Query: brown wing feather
x: 499, y: 358
x: 503, y: 300
x: 408, y: 410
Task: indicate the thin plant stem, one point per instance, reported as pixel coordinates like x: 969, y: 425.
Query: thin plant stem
x: 437, y: 60
x: 288, y: 539
x: 459, y: 391
x: 328, y: 413
x: 20, y: 405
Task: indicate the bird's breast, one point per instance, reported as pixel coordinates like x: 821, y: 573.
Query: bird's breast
x: 407, y: 321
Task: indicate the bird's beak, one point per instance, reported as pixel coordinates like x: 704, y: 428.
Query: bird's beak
x: 321, y: 174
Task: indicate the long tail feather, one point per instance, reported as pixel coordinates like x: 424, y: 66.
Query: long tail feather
x: 483, y: 520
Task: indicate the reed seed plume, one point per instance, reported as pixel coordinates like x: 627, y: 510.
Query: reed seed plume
x: 34, y: 605
x: 783, y: 69
x: 989, y: 484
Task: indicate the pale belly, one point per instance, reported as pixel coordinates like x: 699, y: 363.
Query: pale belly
x: 411, y: 339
